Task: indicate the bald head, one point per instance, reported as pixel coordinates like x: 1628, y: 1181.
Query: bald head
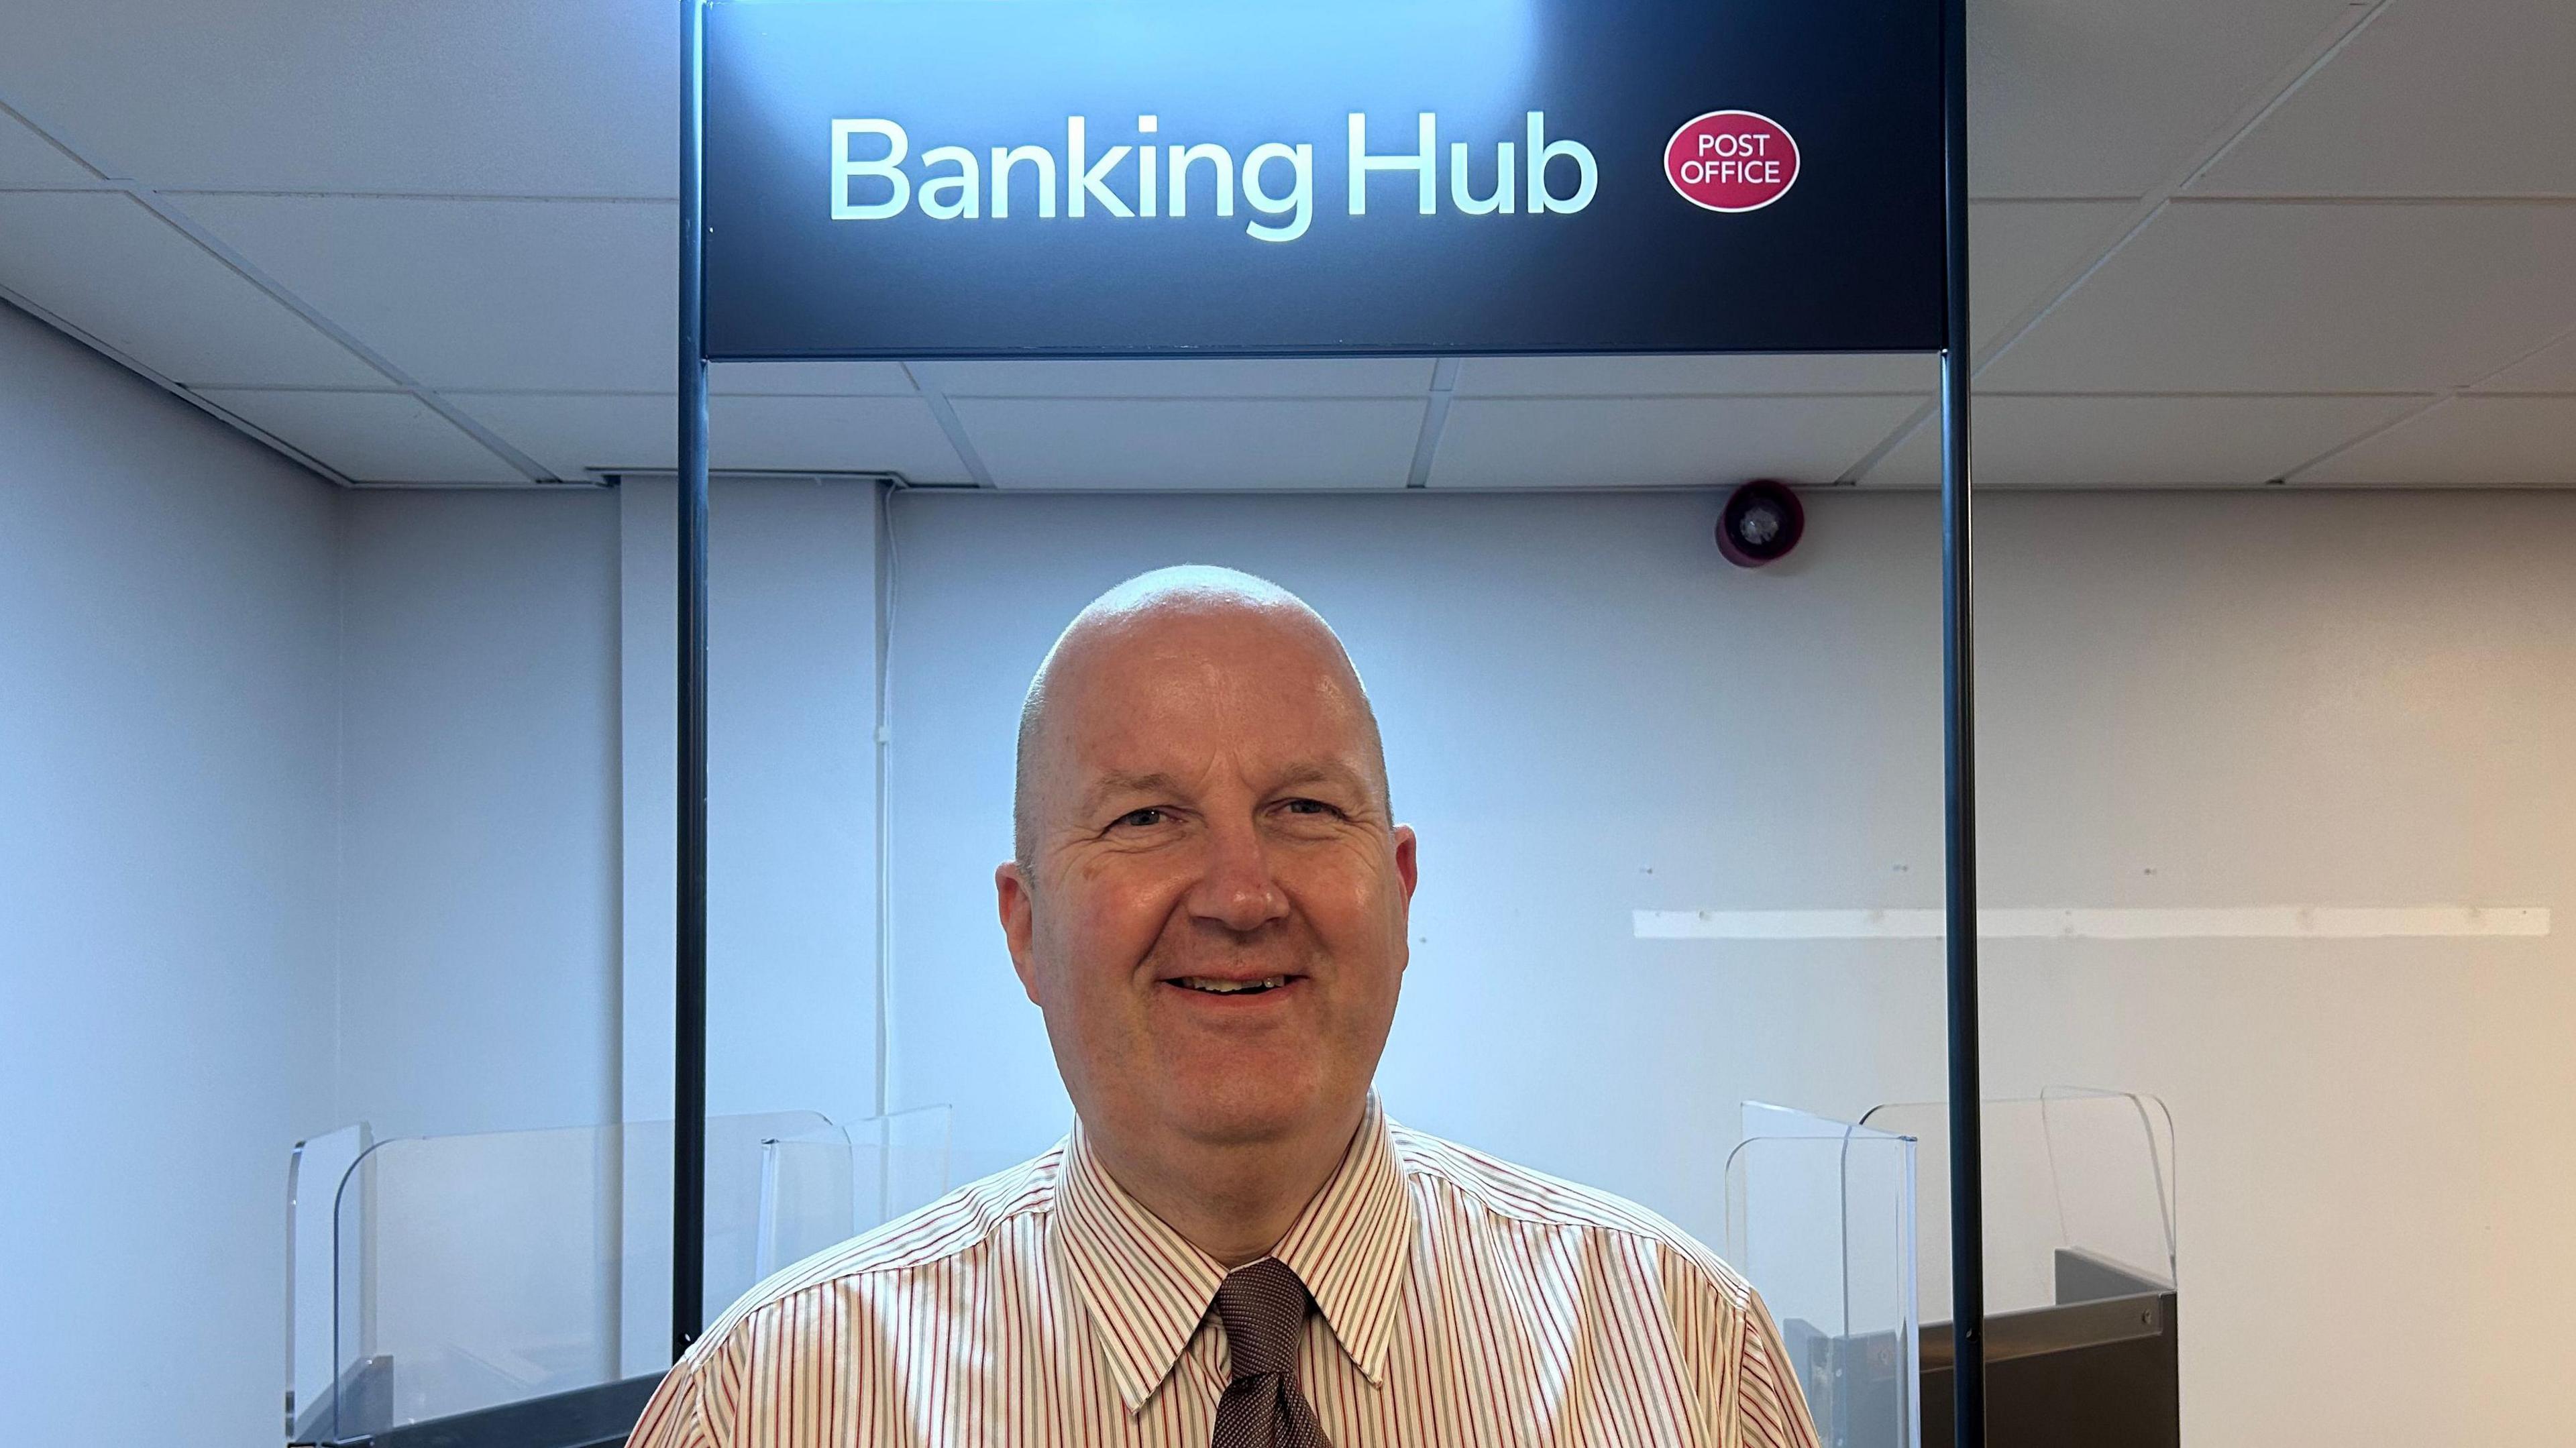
x: 1177, y: 621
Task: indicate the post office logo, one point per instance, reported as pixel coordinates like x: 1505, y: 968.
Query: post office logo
x: 1731, y: 161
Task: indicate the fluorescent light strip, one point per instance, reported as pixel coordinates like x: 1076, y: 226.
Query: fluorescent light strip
x: 2256, y: 922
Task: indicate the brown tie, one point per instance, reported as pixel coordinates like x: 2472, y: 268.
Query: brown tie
x: 1263, y: 1308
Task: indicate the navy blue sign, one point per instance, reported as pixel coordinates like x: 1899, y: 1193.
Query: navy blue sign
x: 945, y: 178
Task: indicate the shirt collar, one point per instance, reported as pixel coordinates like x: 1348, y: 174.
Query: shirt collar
x: 1147, y: 1288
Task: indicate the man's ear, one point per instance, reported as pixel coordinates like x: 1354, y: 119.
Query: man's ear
x: 1405, y: 868
x: 1019, y: 924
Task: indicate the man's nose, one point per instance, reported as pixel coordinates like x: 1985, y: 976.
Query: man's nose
x: 1237, y: 889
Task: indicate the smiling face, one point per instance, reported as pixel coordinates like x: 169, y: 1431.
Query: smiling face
x: 1211, y: 904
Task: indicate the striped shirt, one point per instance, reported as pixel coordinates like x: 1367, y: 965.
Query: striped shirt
x: 1460, y: 1300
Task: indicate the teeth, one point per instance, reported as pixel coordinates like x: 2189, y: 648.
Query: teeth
x: 1214, y: 986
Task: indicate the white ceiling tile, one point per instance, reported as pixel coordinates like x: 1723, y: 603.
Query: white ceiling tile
x: 104, y: 263
x: 2551, y: 369
x: 2140, y: 441
x: 806, y: 379
x: 371, y: 437
x: 2110, y: 97
x: 2225, y: 297
x: 573, y: 434
x: 832, y: 434
x: 1190, y: 377
x: 477, y: 295
x: 2472, y: 441
x: 2431, y: 99
x: 1214, y: 443
x: 1699, y: 376
x: 1659, y: 441
x: 569, y: 97
x: 2019, y: 252
x: 28, y: 159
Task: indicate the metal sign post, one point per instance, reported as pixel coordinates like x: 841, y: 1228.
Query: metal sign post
x: 915, y: 179
x: 1959, y: 756
x: 689, y: 1018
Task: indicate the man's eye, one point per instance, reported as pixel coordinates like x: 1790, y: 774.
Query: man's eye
x: 1310, y: 807
x: 1141, y: 818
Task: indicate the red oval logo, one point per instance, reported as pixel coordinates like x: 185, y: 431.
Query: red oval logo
x: 1731, y: 161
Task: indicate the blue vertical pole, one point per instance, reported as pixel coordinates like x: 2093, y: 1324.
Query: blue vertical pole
x: 689, y: 1019
x: 1959, y: 748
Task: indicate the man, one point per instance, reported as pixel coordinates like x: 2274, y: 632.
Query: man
x: 1235, y: 1246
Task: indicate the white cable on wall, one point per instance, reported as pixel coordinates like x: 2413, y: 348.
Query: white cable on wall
x: 885, y: 563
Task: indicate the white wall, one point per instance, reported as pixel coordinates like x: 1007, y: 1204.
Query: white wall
x: 2186, y: 699
x: 168, y: 745
x: 791, y: 847
x: 479, y: 884
x: 327, y: 806
x: 791, y: 765
x: 507, y: 828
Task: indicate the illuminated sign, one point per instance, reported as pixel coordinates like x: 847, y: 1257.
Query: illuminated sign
x: 1277, y: 180
x: 925, y: 178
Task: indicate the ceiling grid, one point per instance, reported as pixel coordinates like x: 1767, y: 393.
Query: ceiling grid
x: 436, y: 246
